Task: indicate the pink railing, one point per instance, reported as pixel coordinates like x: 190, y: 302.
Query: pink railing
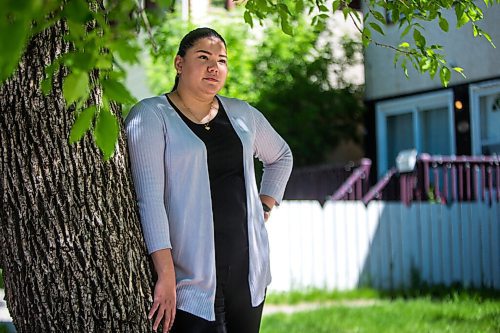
x: 353, y: 187
x: 442, y: 179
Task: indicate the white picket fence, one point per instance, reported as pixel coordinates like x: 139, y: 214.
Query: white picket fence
x: 344, y: 244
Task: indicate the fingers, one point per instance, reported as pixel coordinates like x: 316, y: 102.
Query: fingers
x: 159, y: 317
x: 162, y: 313
x: 172, y: 318
x: 266, y: 216
x: 155, y: 306
x: 168, y: 321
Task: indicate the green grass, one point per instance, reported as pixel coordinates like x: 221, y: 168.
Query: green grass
x: 456, y: 312
x: 318, y: 295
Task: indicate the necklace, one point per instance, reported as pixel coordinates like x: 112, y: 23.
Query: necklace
x: 212, y: 107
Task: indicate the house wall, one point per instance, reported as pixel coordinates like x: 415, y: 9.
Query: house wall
x: 478, y: 58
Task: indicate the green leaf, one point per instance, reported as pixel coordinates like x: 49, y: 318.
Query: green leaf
x: 462, y: 20
x: 475, y: 30
x: 379, y: 17
x: 405, y: 68
x: 459, y: 11
x: 286, y: 27
x: 77, y: 11
x: 13, y: 38
x: 104, y: 62
x: 443, y: 24
x: 82, y: 124
x: 377, y: 28
x: 459, y: 70
x: 248, y: 18
x: 76, y: 30
x: 488, y: 37
x: 116, y: 91
x: 404, y: 45
x: 299, y: 6
x: 445, y: 75
x: 406, y: 31
x: 80, y: 60
x: 323, y: 8
x: 127, y: 51
x: 366, y: 36
x: 419, y: 39
x: 395, y: 15
x: 75, y: 86
x: 425, y: 64
x: 106, y: 133
x: 346, y: 10
x: 336, y: 5
x: 284, y: 8
x: 46, y: 85
x: 365, y: 17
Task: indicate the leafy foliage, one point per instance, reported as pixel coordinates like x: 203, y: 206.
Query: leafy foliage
x: 103, y: 35
x: 313, y: 111
x: 406, y: 14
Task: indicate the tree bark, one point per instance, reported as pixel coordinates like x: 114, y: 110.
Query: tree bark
x: 72, y: 251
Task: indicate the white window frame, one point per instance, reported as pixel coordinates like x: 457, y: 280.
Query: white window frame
x: 414, y: 105
x: 476, y: 91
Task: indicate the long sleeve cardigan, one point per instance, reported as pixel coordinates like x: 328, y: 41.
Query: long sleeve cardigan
x: 170, y: 173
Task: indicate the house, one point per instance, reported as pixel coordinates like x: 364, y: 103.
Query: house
x: 418, y: 112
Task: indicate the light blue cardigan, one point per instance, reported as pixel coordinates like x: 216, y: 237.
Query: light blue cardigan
x: 170, y: 172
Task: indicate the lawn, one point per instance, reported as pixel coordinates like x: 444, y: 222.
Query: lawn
x: 456, y: 313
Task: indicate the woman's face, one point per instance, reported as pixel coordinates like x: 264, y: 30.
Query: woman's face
x: 203, y: 69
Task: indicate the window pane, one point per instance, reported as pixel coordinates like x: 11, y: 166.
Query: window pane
x: 490, y: 121
x: 435, y: 131
x: 399, y: 136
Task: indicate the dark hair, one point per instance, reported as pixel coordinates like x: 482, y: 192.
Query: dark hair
x: 190, y: 39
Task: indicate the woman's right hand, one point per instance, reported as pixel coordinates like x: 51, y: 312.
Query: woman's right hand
x: 164, y: 298
x: 164, y: 303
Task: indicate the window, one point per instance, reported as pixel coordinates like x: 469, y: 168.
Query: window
x: 424, y: 122
x: 399, y: 134
x: 485, y: 118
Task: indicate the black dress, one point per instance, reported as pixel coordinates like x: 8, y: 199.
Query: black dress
x: 227, y: 186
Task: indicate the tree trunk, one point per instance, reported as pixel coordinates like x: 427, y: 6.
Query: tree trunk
x: 72, y: 251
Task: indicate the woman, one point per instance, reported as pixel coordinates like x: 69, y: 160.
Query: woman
x: 191, y: 154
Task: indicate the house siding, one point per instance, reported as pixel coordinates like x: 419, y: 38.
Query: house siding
x: 478, y: 58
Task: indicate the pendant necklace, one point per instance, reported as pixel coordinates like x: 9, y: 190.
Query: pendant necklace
x: 212, y: 107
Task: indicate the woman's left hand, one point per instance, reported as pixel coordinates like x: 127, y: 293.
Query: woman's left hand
x: 269, y: 202
x: 266, y: 216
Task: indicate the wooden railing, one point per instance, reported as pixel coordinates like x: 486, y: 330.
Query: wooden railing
x: 352, y: 189
x: 440, y: 179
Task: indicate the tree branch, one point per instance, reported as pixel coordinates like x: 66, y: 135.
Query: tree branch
x: 144, y: 17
